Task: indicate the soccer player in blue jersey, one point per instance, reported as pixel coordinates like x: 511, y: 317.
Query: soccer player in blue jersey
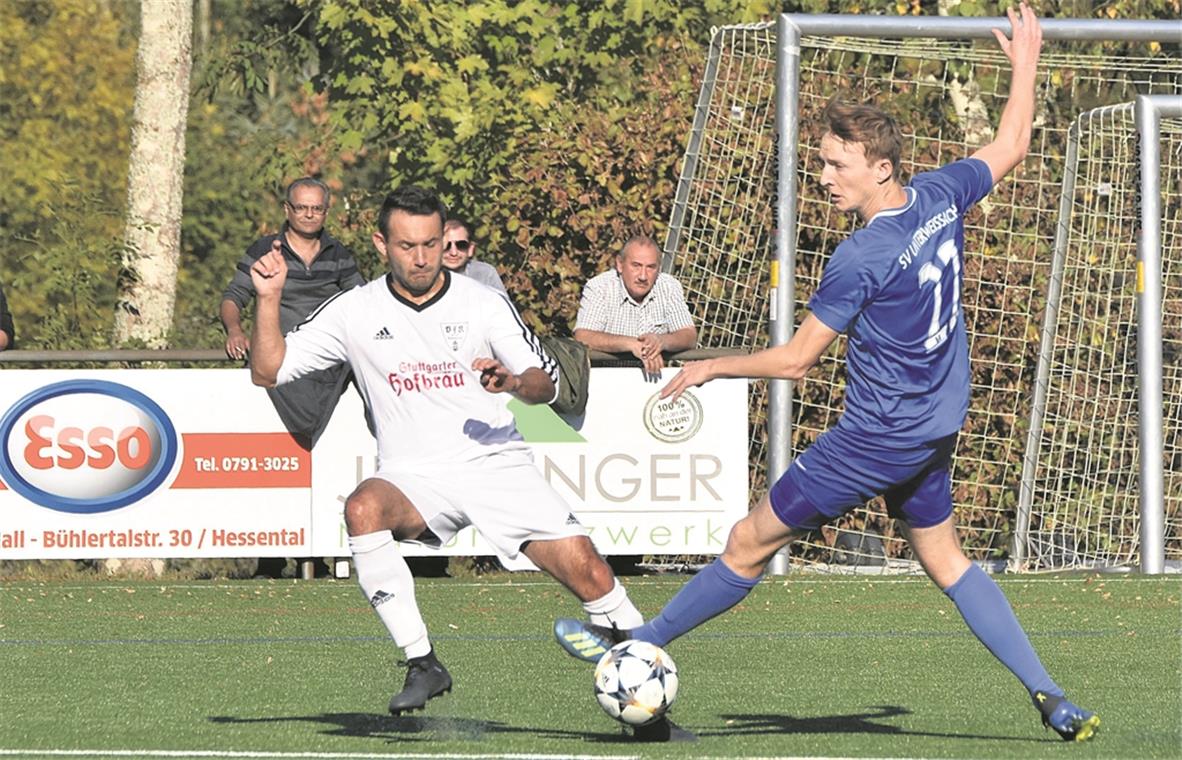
x: 894, y: 288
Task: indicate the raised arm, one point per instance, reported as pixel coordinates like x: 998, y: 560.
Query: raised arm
x: 266, y: 343
x: 1012, y: 140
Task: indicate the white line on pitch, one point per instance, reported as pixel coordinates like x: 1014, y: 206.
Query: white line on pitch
x: 148, y: 753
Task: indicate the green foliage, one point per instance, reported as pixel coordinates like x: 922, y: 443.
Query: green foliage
x: 256, y: 48
x: 63, y: 153
x: 452, y: 93
x: 576, y: 191
x: 557, y: 127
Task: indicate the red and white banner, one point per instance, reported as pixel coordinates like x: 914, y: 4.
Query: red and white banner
x: 194, y: 463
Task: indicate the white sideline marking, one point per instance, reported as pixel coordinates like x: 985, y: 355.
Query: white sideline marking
x: 147, y: 586
x: 293, y: 755
x: 141, y: 753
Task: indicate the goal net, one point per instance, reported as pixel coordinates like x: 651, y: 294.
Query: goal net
x: 1085, y: 508
x: 947, y: 96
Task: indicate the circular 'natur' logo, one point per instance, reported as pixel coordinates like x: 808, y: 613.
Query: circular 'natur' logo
x: 673, y: 421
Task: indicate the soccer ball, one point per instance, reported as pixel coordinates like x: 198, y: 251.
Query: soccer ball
x: 635, y: 682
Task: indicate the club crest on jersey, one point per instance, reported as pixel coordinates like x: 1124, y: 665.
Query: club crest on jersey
x: 454, y: 333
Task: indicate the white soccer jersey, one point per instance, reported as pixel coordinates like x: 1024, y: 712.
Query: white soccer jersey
x: 413, y: 364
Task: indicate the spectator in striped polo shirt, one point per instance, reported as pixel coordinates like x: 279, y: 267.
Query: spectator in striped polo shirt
x: 636, y: 308
x: 319, y: 267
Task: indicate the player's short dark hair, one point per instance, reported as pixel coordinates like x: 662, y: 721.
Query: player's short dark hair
x: 868, y: 125
x: 289, y: 196
x: 417, y: 201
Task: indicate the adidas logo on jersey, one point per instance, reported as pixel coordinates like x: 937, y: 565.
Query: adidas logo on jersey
x: 383, y: 334
x: 379, y: 598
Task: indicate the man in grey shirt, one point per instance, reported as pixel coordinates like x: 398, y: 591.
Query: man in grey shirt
x: 459, y: 251
x: 319, y: 267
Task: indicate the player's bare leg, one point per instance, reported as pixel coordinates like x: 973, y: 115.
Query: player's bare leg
x: 991, y: 619
x: 575, y: 563
x: 375, y: 513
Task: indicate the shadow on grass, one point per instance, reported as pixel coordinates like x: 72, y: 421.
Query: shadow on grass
x: 853, y: 723
x: 422, y: 728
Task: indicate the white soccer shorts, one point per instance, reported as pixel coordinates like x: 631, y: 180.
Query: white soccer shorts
x: 503, y: 496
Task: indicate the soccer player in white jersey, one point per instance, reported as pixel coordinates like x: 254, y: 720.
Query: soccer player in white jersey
x: 437, y: 358
x: 894, y: 288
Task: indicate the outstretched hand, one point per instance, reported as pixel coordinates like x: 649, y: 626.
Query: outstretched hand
x: 691, y: 375
x: 1025, y: 41
x: 269, y: 272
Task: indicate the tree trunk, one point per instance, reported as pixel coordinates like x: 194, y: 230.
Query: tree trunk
x: 204, y: 20
x: 155, y: 175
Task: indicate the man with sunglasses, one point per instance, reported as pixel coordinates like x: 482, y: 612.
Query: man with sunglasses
x: 320, y: 267
x: 459, y: 251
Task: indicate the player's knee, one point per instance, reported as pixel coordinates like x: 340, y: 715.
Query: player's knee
x: 362, y: 513
x: 601, y: 577
x: 585, y: 571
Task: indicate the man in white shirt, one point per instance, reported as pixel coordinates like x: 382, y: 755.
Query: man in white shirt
x: 635, y: 308
x: 437, y: 358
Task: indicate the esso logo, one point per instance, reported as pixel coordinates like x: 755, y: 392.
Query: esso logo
x: 86, y: 446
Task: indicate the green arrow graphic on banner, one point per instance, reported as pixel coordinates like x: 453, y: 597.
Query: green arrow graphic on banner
x: 538, y: 423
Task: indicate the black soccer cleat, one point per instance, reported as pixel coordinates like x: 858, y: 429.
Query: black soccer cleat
x: 662, y: 730
x: 586, y: 641
x: 1072, y: 723
x: 426, y: 678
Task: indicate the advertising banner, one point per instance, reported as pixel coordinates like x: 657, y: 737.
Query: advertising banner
x: 195, y: 463
x: 644, y: 476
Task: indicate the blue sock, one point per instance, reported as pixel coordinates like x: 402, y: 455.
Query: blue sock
x: 713, y: 591
x: 991, y: 619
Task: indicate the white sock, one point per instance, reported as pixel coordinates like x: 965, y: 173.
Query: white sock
x: 614, y: 607
x: 390, y: 588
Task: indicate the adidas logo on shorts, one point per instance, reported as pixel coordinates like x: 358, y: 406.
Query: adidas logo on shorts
x: 383, y: 334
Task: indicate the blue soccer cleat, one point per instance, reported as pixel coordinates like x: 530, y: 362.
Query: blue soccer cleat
x: 1072, y: 723
x: 586, y: 641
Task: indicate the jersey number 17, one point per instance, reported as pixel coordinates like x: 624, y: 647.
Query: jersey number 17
x: 941, y: 325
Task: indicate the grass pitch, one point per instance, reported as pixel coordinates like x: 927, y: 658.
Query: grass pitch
x: 805, y: 667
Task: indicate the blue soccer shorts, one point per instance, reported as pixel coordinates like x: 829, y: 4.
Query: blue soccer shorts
x: 844, y: 469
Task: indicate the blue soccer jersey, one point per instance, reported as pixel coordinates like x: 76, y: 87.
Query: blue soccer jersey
x: 894, y: 287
